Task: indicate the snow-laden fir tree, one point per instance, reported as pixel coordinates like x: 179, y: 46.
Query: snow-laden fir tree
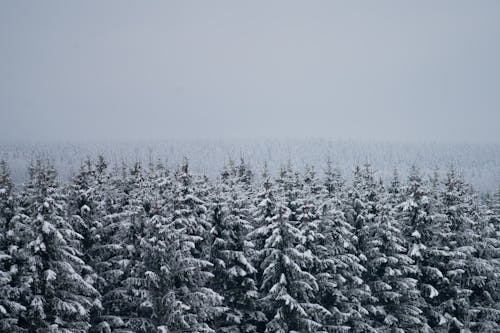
x: 6, y: 196
x: 151, y: 256
x: 193, y: 304
x: 362, y: 202
x: 190, y: 207
x: 244, y: 175
x: 288, y: 291
x: 84, y: 210
x: 391, y: 274
x: 425, y: 233
x: 465, y: 272
x: 116, y: 251
x: 231, y: 255
x: 11, y: 308
x: 263, y: 209
x: 483, y: 277
x: 360, y: 208
x: 342, y: 289
x: 60, y: 297
x: 485, y: 299
x: 333, y: 181
x: 308, y: 203
x: 395, y: 190
x: 308, y: 215
x: 134, y: 284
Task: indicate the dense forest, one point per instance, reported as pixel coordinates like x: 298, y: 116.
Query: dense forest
x: 149, y: 248
x: 478, y: 162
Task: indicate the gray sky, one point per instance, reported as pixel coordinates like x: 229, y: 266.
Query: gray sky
x: 384, y: 70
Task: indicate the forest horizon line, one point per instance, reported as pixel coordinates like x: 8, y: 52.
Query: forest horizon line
x: 478, y: 162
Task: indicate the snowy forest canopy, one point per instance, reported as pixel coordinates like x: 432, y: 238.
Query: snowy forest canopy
x: 478, y: 163
x: 150, y: 248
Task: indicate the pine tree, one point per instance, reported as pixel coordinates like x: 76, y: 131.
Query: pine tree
x: 6, y: 197
x: 11, y: 308
x: 361, y: 209
x: 263, y: 210
x: 84, y: 205
x: 231, y: 251
x: 425, y: 233
x: 190, y: 210
x: 484, y: 276
x: 333, y: 183
x: 362, y: 201
x: 245, y: 175
x: 309, y: 202
x: 342, y: 289
x: 108, y: 251
x: 194, y: 304
x: 466, y: 273
x: 288, y: 290
x: 395, y: 190
x: 391, y: 275
x: 61, y: 298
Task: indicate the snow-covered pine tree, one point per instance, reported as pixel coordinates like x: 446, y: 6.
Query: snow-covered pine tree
x: 425, y: 233
x: 341, y: 288
x: 61, y: 298
x: 245, y: 175
x: 190, y: 209
x: 11, y: 308
x: 485, y: 278
x: 333, y: 183
x: 391, y: 272
x: 194, y: 304
x: 464, y: 271
x: 84, y: 210
x: 308, y: 214
x: 6, y: 197
x: 288, y: 290
x: 115, y: 252
x: 291, y: 191
x: 309, y: 204
x: 135, y: 284
x: 263, y: 209
x: 158, y: 251
x: 231, y: 254
x: 361, y: 208
x: 152, y: 255
x: 495, y: 205
x: 362, y: 202
x: 395, y: 190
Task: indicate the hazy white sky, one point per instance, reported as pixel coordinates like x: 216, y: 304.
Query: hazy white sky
x: 384, y: 70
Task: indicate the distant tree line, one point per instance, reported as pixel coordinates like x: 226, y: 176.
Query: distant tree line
x: 150, y: 249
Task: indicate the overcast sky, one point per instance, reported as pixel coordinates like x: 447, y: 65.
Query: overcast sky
x: 382, y: 70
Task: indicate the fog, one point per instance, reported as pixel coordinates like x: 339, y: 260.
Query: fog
x: 141, y: 70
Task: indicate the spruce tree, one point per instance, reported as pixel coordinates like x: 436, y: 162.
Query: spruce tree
x: 61, y: 298
x: 465, y: 272
x: 231, y: 255
x: 11, y: 307
x: 426, y: 233
x: 194, y: 303
x: 391, y: 273
x: 288, y: 290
